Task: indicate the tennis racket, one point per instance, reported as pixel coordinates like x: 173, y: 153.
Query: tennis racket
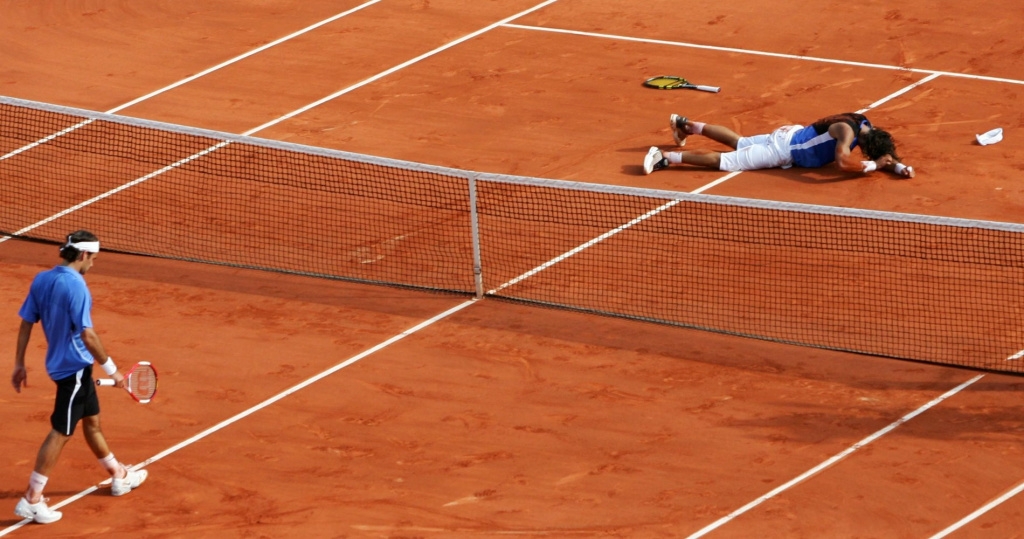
x: 668, y: 82
x: 139, y: 382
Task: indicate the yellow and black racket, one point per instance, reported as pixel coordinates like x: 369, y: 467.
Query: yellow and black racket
x: 669, y: 82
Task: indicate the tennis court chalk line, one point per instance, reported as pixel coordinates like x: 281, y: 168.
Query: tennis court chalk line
x: 981, y: 511
x: 280, y: 396
x: 191, y: 78
x: 276, y: 121
x: 449, y: 312
x: 765, y: 53
x: 840, y: 456
x: 262, y: 405
x: 322, y: 375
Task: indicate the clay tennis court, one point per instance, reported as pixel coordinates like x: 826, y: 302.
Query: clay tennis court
x: 447, y: 417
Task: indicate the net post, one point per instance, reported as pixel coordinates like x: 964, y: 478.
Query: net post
x: 474, y: 223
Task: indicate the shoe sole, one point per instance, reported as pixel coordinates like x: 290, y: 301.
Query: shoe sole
x: 649, y: 161
x: 35, y: 518
x: 675, y: 130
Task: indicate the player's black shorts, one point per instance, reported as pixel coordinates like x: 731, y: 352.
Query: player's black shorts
x: 76, y: 398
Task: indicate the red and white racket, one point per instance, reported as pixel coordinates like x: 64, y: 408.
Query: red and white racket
x: 139, y: 382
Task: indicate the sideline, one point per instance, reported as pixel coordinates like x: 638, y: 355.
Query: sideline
x: 981, y: 511
x: 190, y: 78
x: 254, y: 130
x: 840, y: 456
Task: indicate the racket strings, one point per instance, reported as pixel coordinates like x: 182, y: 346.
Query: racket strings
x: 142, y: 382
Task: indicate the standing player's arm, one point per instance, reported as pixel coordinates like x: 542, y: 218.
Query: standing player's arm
x: 95, y: 346
x: 845, y: 159
x: 19, y: 378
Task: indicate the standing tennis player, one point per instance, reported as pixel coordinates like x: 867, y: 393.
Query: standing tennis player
x: 828, y: 140
x: 60, y: 299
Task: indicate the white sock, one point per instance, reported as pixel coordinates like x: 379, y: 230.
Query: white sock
x: 695, y: 128
x: 112, y: 466
x: 674, y: 157
x: 36, y: 482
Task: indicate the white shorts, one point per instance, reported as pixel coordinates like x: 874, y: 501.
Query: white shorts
x: 761, y: 151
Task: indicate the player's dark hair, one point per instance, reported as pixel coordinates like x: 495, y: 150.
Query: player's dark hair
x: 69, y: 253
x: 876, y: 143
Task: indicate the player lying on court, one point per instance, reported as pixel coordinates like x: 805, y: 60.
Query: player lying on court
x: 827, y: 140
x: 60, y: 299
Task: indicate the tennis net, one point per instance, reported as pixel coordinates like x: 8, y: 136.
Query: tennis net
x: 933, y: 289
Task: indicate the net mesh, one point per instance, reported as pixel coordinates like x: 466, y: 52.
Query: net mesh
x: 932, y: 289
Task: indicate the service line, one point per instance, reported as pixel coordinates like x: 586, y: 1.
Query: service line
x: 765, y: 53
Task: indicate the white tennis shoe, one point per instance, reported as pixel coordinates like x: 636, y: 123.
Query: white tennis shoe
x: 39, y: 511
x: 654, y: 160
x: 120, y: 487
x: 678, y: 125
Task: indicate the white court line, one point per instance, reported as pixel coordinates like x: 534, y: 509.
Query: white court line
x: 244, y: 56
x: 441, y: 316
x: 981, y: 511
x: 763, y: 53
x: 898, y: 93
x: 262, y: 405
x: 840, y: 456
x: 314, y: 379
x: 584, y: 246
x: 276, y: 121
x: 1016, y: 356
x: 721, y: 180
x: 117, y: 189
x: 189, y: 79
x: 401, y: 66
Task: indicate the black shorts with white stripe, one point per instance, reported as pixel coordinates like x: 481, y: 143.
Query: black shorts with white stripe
x: 76, y: 398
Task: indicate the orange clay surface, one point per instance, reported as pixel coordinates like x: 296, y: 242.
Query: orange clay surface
x: 504, y: 420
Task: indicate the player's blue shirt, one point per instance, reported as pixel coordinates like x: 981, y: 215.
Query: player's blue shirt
x: 60, y: 298
x: 813, y: 146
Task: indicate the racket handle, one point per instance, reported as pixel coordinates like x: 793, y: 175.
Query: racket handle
x: 714, y: 89
x: 106, y: 382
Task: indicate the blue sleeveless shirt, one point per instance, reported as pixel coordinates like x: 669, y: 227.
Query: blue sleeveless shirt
x: 813, y: 146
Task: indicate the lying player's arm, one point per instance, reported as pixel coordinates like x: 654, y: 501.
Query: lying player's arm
x: 900, y: 169
x: 845, y: 159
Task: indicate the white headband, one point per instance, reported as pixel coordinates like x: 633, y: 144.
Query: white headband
x: 86, y: 246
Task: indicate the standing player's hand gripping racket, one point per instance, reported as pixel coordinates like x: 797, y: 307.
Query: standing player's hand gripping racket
x: 668, y: 82
x: 139, y: 382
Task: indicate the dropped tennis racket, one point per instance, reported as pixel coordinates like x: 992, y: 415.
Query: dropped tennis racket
x: 139, y: 382
x: 668, y: 82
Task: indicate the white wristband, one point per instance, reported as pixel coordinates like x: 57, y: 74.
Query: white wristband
x: 899, y: 168
x: 109, y: 367
x: 869, y: 166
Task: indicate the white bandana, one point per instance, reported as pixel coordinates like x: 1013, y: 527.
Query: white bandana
x: 86, y: 246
